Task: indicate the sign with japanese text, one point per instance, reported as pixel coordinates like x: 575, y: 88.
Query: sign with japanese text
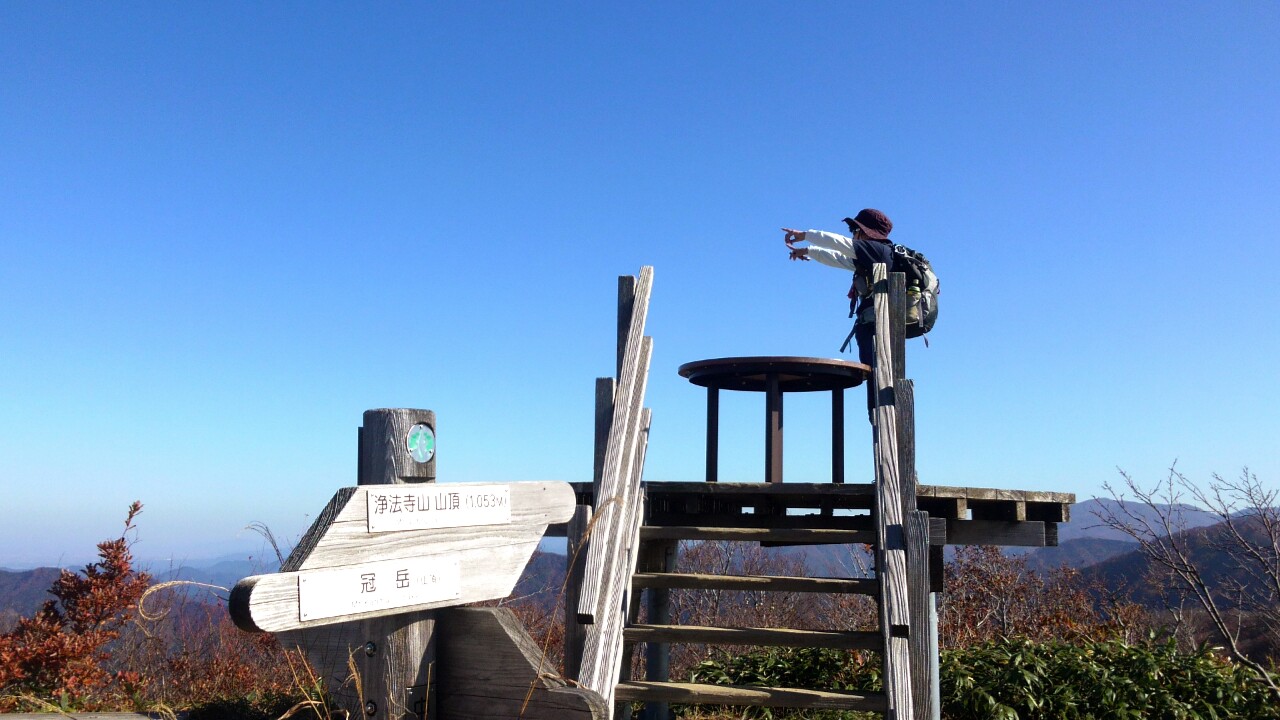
x: 377, y: 586
x: 430, y: 506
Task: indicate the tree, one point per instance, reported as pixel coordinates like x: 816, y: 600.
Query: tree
x: 1231, y: 569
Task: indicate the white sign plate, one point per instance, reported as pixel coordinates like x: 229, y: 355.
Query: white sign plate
x: 431, y: 505
x: 377, y: 586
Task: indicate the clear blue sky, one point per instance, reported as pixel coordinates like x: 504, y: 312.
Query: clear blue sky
x: 227, y: 229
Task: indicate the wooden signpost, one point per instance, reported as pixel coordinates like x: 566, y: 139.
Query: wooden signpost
x: 360, y: 592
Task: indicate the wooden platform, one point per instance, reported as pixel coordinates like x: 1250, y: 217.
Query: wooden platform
x: 973, y: 516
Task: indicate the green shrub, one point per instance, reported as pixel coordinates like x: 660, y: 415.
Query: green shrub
x: 1012, y: 679
x: 1016, y: 679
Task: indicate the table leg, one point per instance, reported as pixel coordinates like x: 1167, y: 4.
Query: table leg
x: 713, y: 434
x: 773, y: 430
x: 837, y: 435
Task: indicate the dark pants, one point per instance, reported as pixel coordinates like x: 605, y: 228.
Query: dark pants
x: 865, y: 335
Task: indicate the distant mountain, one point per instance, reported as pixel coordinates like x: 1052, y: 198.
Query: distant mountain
x: 22, y: 592
x: 1085, y: 522
x: 1078, y: 553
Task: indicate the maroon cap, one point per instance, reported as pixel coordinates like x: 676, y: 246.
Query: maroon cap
x: 874, y: 223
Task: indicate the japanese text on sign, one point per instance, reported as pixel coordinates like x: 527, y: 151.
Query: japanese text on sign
x: 438, y: 506
x: 377, y: 586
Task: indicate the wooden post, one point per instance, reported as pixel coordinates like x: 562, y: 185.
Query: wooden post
x: 891, y: 561
x: 394, y: 656
x: 837, y: 435
x: 605, y: 389
x: 574, y: 634
x: 385, y: 455
x: 713, y: 434
x: 660, y: 556
x: 773, y: 430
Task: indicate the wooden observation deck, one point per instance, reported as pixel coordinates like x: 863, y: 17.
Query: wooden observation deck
x: 624, y: 540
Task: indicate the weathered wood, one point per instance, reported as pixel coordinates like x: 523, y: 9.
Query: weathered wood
x: 619, y: 452
x: 898, y: 323
x: 394, y: 660
x: 754, y: 695
x: 574, y: 634
x: 768, y: 583
x: 782, y: 535
x: 904, y: 402
x: 605, y: 388
x: 604, y: 651
x: 628, y: 289
x: 891, y: 552
x: 660, y: 557
x: 773, y: 637
x: 917, y: 529
x: 385, y: 457
x: 996, y: 532
x: 490, y: 669
x: 494, y: 555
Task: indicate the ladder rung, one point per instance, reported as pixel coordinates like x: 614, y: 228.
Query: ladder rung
x: 775, y: 637
x: 691, y: 581
x: 694, y: 693
x: 798, y: 535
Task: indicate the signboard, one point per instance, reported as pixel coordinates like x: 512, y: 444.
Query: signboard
x: 425, y: 507
x: 377, y: 586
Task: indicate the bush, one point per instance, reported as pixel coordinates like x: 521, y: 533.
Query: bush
x: 1019, y: 679
x: 1016, y: 679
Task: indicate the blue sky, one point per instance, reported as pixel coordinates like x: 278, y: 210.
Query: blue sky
x: 227, y: 229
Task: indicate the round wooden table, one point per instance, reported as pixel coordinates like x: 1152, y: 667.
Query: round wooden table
x: 775, y: 376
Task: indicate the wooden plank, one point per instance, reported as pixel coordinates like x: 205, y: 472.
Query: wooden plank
x: 1010, y: 510
x: 891, y: 561
x: 1048, y: 512
x: 772, y: 637
x: 620, y: 450
x: 766, y: 583
x: 574, y: 634
x: 996, y: 532
x: 810, y: 521
x: 753, y: 695
x: 919, y: 649
x: 340, y: 535
x: 767, y: 534
x: 270, y: 603
x: 604, y: 647
x: 490, y: 669
x: 713, y: 434
x: 628, y: 289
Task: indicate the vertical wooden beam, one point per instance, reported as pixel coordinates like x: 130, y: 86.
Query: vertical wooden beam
x: 772, y: 430
x: 917, y: 531
x: 626, y: 306
x: 837, y: 435
x: 904, y: 401
x: 713, y: 434
x: 384, y: 450
x: 605, y: 389
x: 574, y: 634
x: 395, y: 655
x: 891, y: 557
x: 898, y: 322
x: 661, y: 557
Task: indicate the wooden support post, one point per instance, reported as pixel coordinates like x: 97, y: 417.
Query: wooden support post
x: 837, y: 435
x: 661, y: 558
x: 605, y: 389
x: 917, y: 530
x: 713, y: 434
x: 385, y: 456
x: 891, y: 560
x: 773, y: 430
x: 574, y: 634
x: 394, y: 656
